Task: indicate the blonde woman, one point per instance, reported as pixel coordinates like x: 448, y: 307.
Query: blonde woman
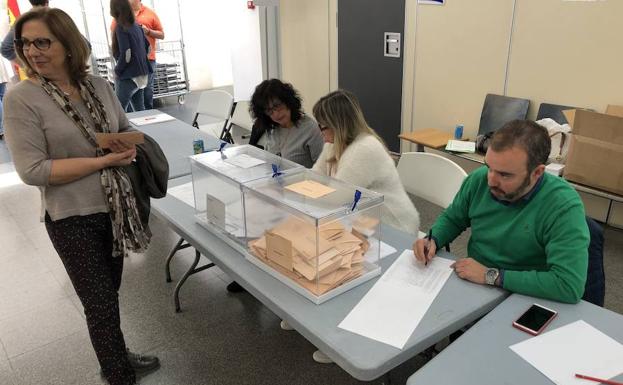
x: 354, y: 153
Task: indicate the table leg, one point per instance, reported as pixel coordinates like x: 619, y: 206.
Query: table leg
x: 192, y: 270
x: 167, y: 268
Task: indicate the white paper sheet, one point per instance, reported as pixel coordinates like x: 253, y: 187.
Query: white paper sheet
x: 574, y: 348
x: 151, y: 119
x: 183, y: 192
x: 244, y: 161
x: 461, y: 146
x: 396, y: 304
x: 386, y: 250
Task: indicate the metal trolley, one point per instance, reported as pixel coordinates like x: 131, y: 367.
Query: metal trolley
x: 171, y: 78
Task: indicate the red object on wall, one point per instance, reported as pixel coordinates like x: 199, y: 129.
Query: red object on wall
x: 250, y: 4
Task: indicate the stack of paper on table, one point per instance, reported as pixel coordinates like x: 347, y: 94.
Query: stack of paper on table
x: 290, y: 248
x: 398, y: 301
x: 461, y: 146
x: 151, y: 119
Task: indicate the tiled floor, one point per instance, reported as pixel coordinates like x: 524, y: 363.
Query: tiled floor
x: 219, y: 338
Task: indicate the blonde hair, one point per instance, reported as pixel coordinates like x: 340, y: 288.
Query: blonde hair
x: 340, y: 111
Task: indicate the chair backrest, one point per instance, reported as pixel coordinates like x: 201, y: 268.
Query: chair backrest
x: 553, y: 111
x: 215, y: 103
x: 430, y: 176
x: 498, y: 110
x: 595, y: 289
x: 242, y: 117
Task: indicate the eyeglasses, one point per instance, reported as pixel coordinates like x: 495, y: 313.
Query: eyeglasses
x: 275, y: 107
x: 41, y: 43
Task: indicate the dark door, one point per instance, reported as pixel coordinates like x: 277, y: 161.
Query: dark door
x: 363, y: 68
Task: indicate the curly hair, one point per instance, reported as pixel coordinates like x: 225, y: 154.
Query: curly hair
x: 275, y: 89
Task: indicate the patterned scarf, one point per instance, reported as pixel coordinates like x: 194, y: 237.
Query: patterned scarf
x: 128, y: 231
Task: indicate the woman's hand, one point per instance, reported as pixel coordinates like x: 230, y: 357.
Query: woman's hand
x: 122, y: 158
x: 119, y: 145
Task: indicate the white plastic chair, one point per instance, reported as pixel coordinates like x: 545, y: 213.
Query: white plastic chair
x: 431, y: 177
x: 214, y: 108
x: 241, y: 118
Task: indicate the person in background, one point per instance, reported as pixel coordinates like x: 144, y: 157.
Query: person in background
x: 5, y: 67
x: 354, y: 153
x: 7, y: 49
x: 88, y: 204
x: 130, y: 49
x: 529, y: 230
x: 149, y: 21
x: 290, y: 133
x: 286, y: 130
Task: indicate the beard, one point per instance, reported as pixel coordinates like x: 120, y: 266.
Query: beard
x: 513, y: 195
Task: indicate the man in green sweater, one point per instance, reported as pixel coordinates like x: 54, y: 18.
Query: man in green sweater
x: 529, y: 231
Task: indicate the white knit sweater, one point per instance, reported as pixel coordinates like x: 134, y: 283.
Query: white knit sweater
x: 366, y: 163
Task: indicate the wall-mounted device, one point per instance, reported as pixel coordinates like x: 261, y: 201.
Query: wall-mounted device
x: 391, y: 44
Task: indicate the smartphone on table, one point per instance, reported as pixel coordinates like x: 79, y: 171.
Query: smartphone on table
x: 535, y: 319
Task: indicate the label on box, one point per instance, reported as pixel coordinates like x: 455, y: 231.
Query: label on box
x: 215, y: 211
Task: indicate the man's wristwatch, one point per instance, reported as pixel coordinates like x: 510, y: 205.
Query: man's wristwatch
x: 491, y: 275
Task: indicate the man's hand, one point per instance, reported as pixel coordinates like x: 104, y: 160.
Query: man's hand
x: 424, y: 250
x: 145, y: 30
x: 469, y: 269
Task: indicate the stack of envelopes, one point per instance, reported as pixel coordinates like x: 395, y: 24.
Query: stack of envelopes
x: 319, y: 264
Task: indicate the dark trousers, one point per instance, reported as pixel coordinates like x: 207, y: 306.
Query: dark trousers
x: 84, y: 244
x: 149, y: 90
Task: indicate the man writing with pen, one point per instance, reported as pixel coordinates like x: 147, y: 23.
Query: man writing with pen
x: 529, y: 231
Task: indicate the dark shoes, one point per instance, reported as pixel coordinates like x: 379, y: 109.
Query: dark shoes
x: 143, y: 364
x: 235, y: 287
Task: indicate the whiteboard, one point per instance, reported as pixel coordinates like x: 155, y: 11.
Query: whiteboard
x: 246, y: 50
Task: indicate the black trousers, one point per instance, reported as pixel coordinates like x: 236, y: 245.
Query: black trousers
x: 84, y: 244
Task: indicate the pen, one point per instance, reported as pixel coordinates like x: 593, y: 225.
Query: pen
x: 430, y: 236
x: 608, y: 382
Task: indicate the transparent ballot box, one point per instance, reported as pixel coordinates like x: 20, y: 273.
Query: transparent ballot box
x: 318, y: 235
x: 217, y: 178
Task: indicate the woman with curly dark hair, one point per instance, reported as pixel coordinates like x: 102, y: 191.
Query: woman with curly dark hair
x: 288, y: 132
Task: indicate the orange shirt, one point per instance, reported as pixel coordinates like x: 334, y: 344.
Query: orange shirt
x: 149, y: 19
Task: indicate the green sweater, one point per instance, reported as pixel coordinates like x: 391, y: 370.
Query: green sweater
x: 541, y: 242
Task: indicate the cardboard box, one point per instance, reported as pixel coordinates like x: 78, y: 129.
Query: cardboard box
x: 596, y: 149
x: 614, y: 110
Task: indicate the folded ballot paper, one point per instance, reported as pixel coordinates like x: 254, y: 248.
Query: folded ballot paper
x: 318, y: 265
x: 461, y: 146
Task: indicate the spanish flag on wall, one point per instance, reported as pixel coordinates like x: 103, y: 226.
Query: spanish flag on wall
x: 13, y: 9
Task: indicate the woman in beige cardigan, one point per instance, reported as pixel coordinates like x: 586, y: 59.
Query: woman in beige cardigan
x: 354, y: 153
